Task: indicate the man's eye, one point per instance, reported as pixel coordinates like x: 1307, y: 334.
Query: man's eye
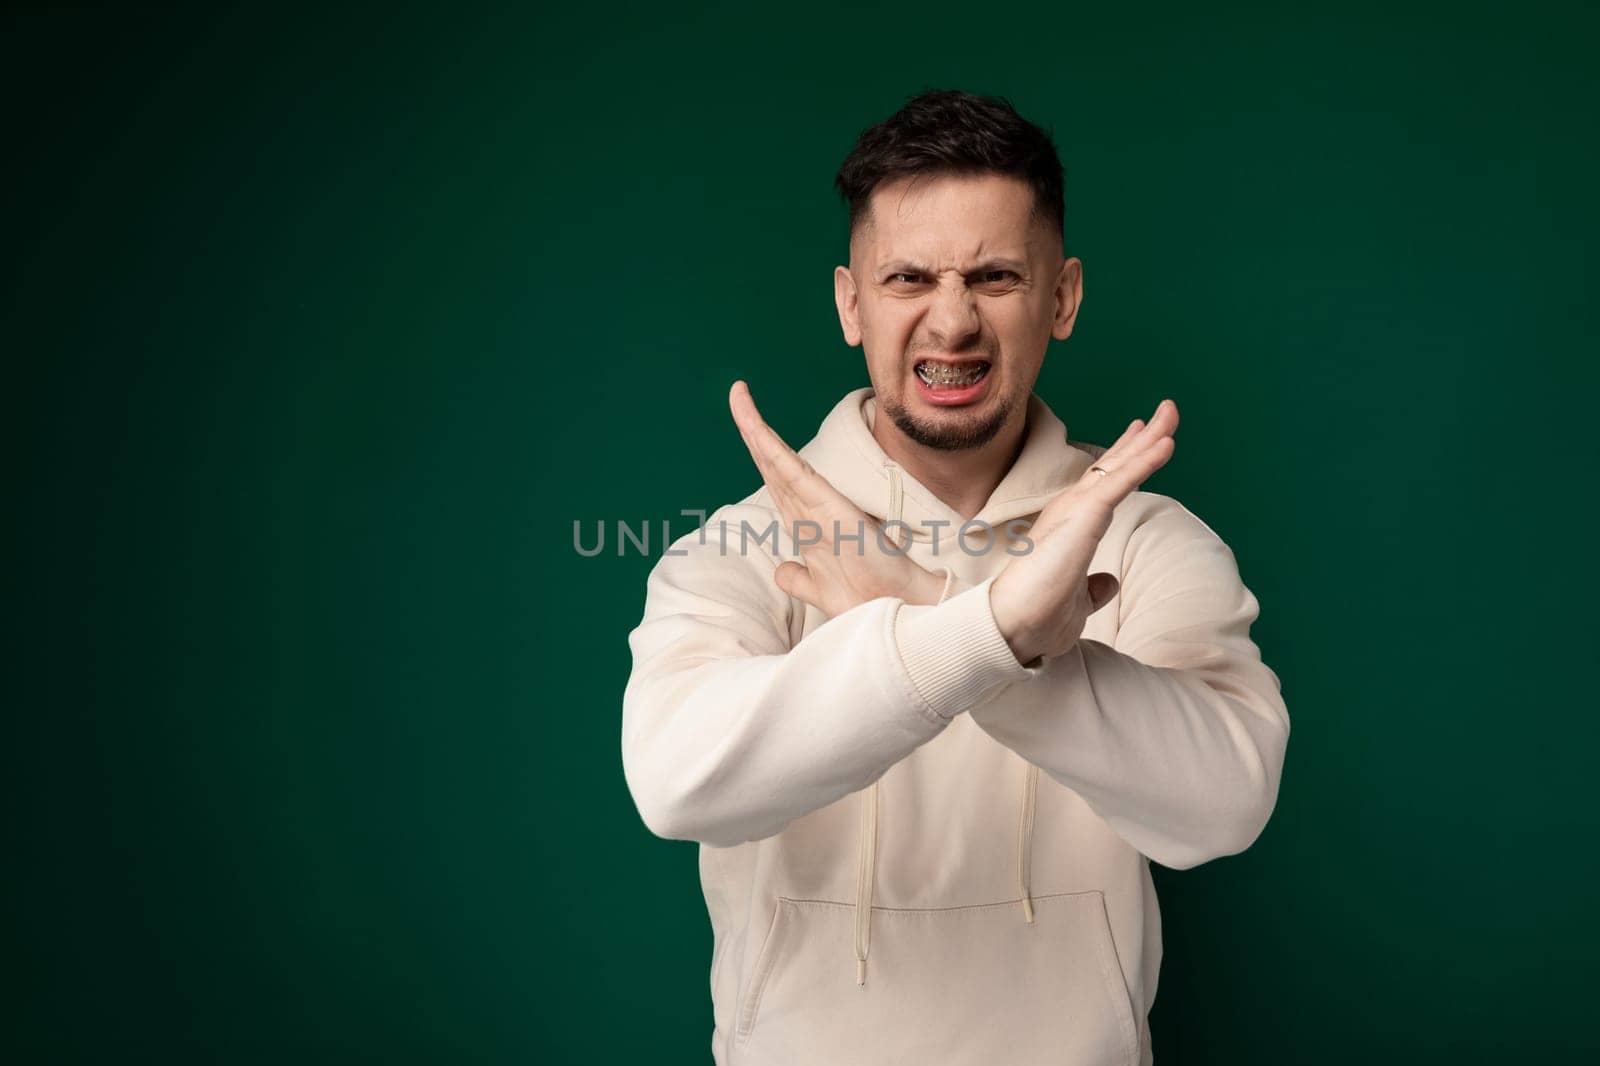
x: 907, y: 278
x: 996, y: 276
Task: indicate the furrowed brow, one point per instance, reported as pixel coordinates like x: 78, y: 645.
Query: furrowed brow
x: 904, y: 266
x: 1016, y: 265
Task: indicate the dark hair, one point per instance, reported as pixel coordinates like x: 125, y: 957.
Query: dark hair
x: 946, y: 131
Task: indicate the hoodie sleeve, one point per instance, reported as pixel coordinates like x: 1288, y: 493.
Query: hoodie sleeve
x: 1175, y: 732
x: 730, y: 729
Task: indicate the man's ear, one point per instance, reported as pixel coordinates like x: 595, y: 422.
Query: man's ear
x: 1069, y: 297
x: 845, y: 298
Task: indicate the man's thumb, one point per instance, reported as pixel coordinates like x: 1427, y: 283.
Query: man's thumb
x: 794, y: 579
x: 1102, y: 587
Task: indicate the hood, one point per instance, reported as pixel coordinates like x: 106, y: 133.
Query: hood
x: 845, y: 452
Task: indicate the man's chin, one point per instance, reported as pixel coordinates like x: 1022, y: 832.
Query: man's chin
x: 950, y: 429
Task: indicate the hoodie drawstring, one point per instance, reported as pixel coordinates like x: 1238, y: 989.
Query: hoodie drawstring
x: 1030, y: 790
x: 868, y: 867
x: 897, y: 504
x: 866, y: 871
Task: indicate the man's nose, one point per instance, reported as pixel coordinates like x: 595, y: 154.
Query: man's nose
x: 953, y: 319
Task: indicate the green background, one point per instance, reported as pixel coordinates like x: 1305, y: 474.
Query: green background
x: 322, y: 329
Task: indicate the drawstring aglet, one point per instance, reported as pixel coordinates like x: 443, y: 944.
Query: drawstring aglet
x: 1027, y: 909
x: 861, y: 971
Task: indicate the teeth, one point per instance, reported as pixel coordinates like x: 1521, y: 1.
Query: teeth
x: 943, y: 374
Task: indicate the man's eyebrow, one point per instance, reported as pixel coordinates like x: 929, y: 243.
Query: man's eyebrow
x: 1000, y: 263
x: 899, y: 266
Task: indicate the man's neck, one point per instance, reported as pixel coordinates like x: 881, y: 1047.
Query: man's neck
x: 963, y: 480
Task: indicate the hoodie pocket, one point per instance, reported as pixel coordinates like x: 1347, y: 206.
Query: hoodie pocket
x: 953, y: 985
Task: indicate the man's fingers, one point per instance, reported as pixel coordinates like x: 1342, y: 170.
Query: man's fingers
x: 746, y: 418
x: 771, y: 453
x: 1163, y: 423
x: 791, y: 479
x: 1138, y: 437
x: 759, y: 439
x: 1121, y: 444
x: 1137, y: 453
x: 1134, y: 471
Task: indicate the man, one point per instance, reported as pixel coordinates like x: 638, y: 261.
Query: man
x: 930, y: 731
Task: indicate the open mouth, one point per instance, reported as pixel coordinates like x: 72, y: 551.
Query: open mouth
x: 952, y: 375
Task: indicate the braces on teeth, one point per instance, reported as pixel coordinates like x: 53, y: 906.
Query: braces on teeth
x: 939, y: 374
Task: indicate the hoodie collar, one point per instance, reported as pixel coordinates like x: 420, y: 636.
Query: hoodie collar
x: 845, y: 452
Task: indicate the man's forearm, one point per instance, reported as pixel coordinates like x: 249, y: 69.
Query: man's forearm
x: 1183, y: 764
x: 727, y: 737
x: 728, y: 750
x: 1176, y: 737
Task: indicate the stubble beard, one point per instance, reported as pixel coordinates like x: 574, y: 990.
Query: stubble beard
x: 954, y: 435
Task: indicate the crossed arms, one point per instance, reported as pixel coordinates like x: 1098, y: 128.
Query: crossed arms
x: 1174, y: 733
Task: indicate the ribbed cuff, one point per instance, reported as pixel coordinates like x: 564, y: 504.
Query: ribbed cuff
x: 954, y: 653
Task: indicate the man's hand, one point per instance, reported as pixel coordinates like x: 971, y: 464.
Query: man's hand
x: 1042, y: 599
x: 832, y: 579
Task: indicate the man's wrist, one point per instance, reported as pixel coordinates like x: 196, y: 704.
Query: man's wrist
x: 1007, y: 621
x: 954, y: 654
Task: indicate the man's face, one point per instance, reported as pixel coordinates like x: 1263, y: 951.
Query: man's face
x: 953, y: 291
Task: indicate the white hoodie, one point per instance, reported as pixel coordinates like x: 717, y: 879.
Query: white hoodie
x: 867, y: 788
